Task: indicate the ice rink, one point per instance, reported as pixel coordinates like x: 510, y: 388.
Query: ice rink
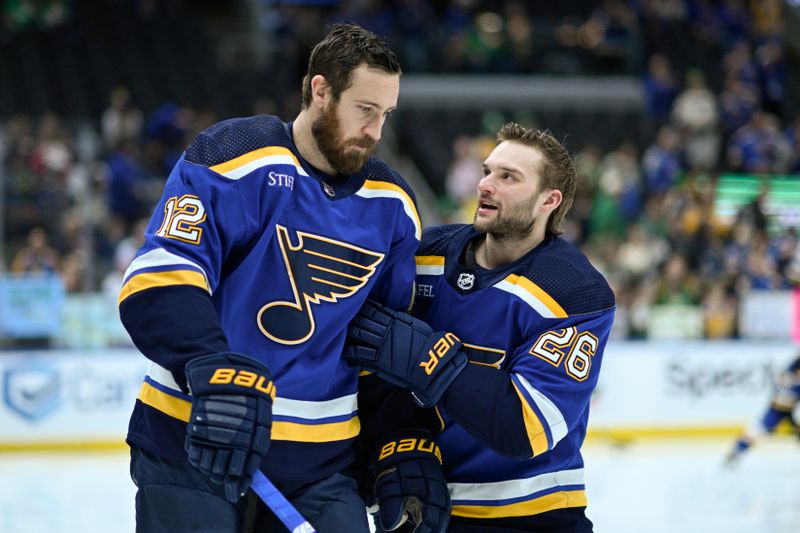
x: 663, y: 487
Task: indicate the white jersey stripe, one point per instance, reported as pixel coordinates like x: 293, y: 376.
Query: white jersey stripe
x: 160, y: 257
x: 529, y: 298
x: 308, y: 410
x: 279, y: 159
x: 515, y: 488
x: 553, y: 417
x: 430, y: 270
x: 365, y: 192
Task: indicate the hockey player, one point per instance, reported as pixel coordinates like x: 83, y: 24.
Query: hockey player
x: 521, y: 320
x: 267, y: 240
x: 784, y: 402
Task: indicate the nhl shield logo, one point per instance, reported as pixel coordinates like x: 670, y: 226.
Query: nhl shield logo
x: 33, y: 392
x: 465, y: 281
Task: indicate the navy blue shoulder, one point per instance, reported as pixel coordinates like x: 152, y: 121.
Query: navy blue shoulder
x: 435, y: 239
x: 567, y: 276
x: 378, y: 170
x: 231, y: 138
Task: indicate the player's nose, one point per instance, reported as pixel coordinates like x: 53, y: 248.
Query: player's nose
x: 486, y: 186
x: 373, y: 129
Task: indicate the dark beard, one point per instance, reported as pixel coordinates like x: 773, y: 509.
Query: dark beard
x: 509, y: 229
x: 326, y: 134
x: 516, y: 225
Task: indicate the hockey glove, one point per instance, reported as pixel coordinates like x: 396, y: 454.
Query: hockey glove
x: 404, y: 351
x: 409, y: 485
x: 231, y: 419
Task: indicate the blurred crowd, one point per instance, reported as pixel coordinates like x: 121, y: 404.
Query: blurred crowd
x: 78, y: 193
x: 646, y: 213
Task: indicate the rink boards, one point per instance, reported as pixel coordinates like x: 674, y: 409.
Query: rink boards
x: 77, y: 399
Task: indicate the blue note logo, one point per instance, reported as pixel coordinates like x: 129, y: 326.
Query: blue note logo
x: 32, y: 391
x: 320, y: 269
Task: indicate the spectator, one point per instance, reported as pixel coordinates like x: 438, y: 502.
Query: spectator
x: 719, y: 312
x: 696, y: 115
x: 660, y: 88
x: 771, y: 65
x: 661, y: 162
x: 37, y: 256
x: 121, y: 120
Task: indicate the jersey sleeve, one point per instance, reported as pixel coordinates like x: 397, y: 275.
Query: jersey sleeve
x: 202, y: 221
x: 526, y: 409
x: 395, y: 285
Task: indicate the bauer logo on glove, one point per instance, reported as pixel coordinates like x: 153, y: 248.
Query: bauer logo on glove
x: 230, y: 424
x: 410, y: 445
x: 243, y: 378
x: 439, y: 351
x: 404, y: 351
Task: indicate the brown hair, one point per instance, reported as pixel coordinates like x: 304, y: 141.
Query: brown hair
x: 558, y: 169
x: 344, y: 48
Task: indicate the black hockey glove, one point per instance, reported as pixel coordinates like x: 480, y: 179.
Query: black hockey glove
x: 231, y: 419
x: 404, y: 351
x: 409, y: 484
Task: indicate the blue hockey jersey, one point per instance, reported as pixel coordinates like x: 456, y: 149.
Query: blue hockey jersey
x: 534, y: 331
x: 785, y: 402
x: 252, y: 250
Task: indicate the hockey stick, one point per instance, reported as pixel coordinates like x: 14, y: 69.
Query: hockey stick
x: 279, y: 505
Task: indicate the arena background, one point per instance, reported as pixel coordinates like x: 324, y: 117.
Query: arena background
x: 684, y: 116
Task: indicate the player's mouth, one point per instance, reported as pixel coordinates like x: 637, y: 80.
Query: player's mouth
x: 484, y: 207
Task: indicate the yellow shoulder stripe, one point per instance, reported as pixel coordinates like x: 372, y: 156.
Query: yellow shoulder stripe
x: 538, y: 293
x: 395, y: 190
x: 249, y: 157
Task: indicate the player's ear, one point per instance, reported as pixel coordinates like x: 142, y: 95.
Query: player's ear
x: 552, y: 200
x: 320, y: 91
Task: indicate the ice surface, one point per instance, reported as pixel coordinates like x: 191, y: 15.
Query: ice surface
x: 647, y: 487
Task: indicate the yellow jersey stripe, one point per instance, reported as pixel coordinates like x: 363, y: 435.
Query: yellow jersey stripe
x: 391, y: 190
x: 245, y: 159
x: 334, y: 431
x: 180, y: 409
x: 149, y: 280
x: 549, y: 502
x: 430, y: 260
x: 538, y: 293
x: 536, y: 433
x: 166, y: 403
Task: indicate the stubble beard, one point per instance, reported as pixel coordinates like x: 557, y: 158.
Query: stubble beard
x: 515, y: 225
x: 326, y: 131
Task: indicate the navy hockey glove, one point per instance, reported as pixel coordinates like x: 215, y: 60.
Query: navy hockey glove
x: 404, y: 351
x: 409, y: 485
x: 231, y: 419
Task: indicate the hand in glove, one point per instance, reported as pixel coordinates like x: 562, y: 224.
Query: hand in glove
x: 229, y: 427
x: 404, y: 351
x: 410, y: 486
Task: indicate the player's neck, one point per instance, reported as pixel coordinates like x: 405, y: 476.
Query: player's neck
x: 307, y: 145
x: 495, y: 252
